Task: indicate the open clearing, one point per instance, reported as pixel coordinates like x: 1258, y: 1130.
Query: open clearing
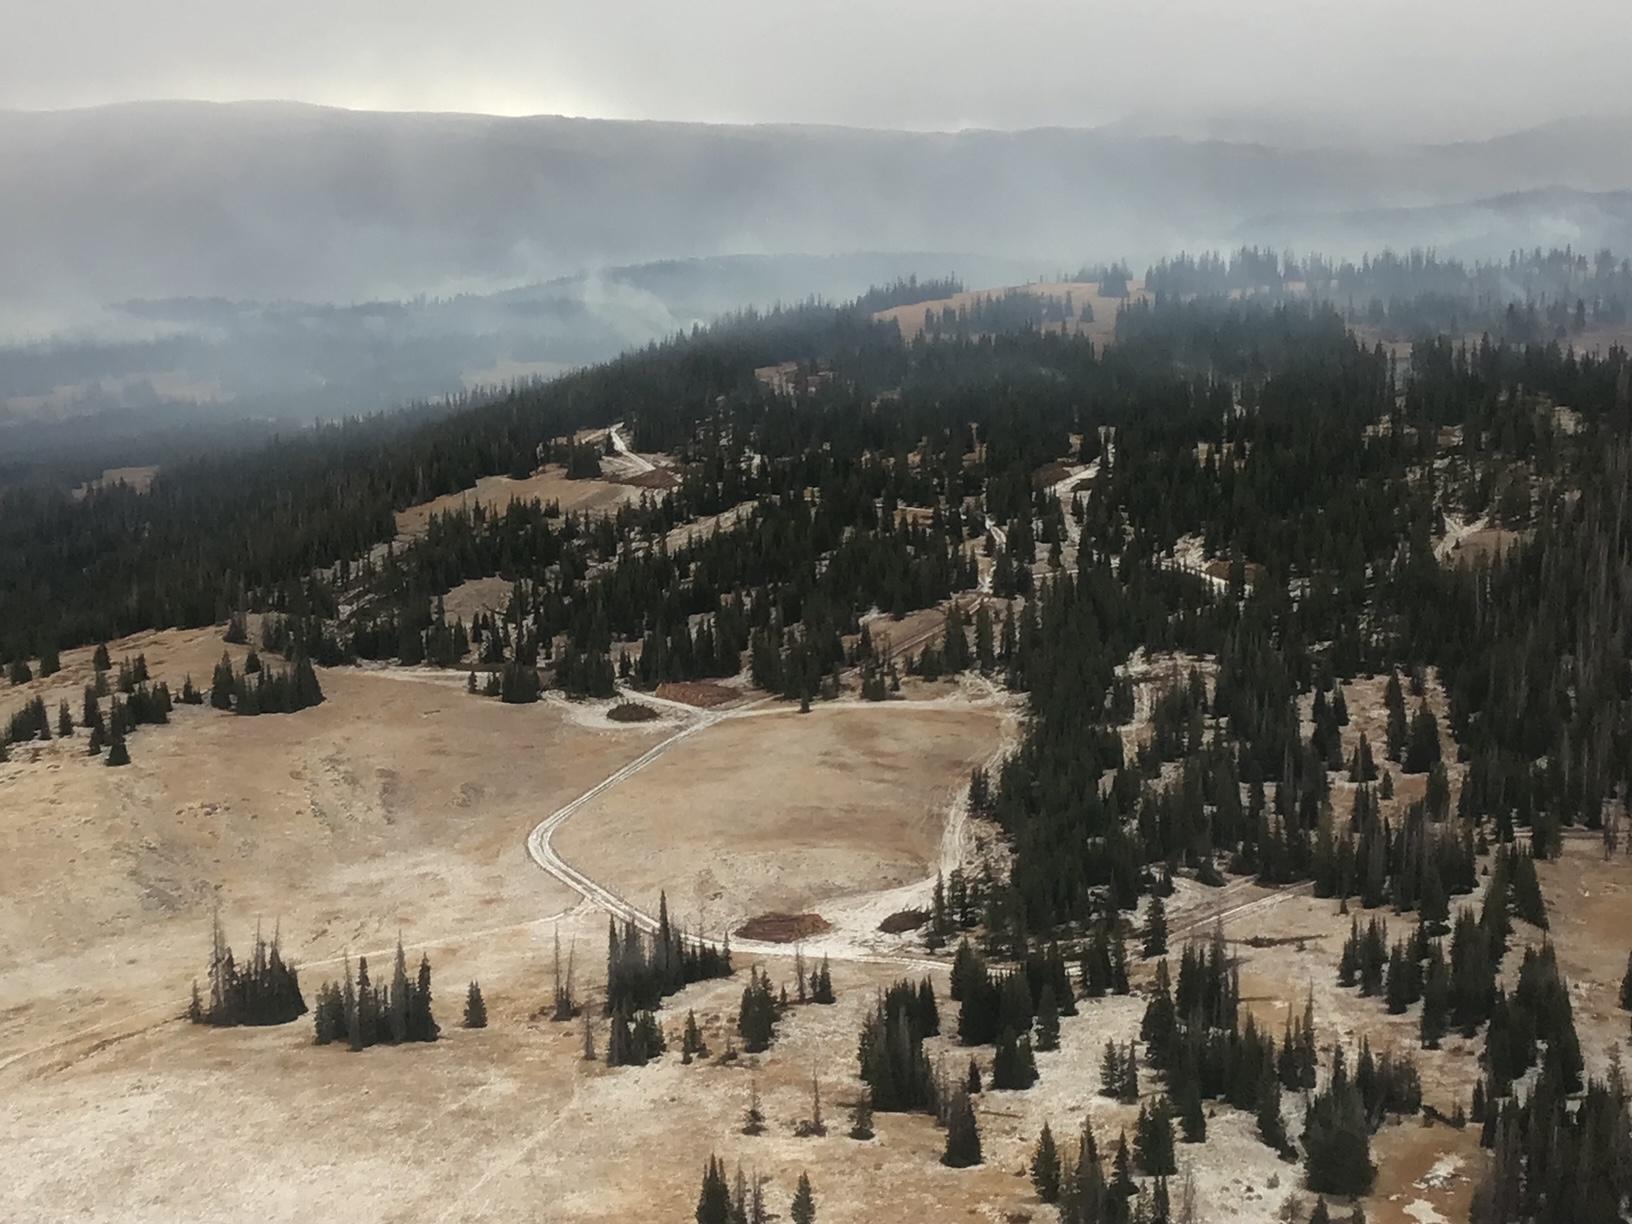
x: 548, y: 484
x: 403, y: 803
x: 396, y: 804
x: 780, y: 811
x: 140, y: 479
x: 910, y: 318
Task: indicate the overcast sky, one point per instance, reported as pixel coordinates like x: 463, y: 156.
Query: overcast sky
x: 1433, y: 67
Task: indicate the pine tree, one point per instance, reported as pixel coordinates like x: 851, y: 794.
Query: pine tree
x: 1110, y: 1071
x: 1398, y: 727
x: 1045, y: 1167
x: 1337, y: 1137
x: 1119, y: 962
x: 714, y: 1199
x: 803, y: 1208
x: 962, y: 1134
x: 861, y: 1118
x: 1436, y: 994
x: 1422, y: 747
x: 1156, y: 929
x: 753, y: 1119
x: 1192, y: 1116
x: 1271, y: 1126
x: 1153, y: 1138
x: 1122, y: 1183
x: 691, y: 1041
x: 421, y: 1024
x: 1364, y: 766
x: 118, y: 754
x: 397, y: 1013
x: 1048, y: 1021
x: 475, y: 1008
x: 821, y: 990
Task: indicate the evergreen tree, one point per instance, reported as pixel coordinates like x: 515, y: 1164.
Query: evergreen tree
x: 861, y: 1118
x: 753, y: 1119
x: 1153, y: 1138
x: 803, y: 1209
x: 1048, y: 1021
x: 714, y: 1199
x: 1337, y: 1138
x: 962, y: 1134
x: 1155, y: 929
x: 1045, y: 1167
x: 475, y: 1008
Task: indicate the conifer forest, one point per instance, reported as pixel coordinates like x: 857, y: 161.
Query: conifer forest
x: 1252, y: 636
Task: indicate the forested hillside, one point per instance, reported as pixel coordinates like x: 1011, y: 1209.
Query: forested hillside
x: 1243, y: 484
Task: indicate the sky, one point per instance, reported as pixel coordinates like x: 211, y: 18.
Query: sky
x: 1436, y: 69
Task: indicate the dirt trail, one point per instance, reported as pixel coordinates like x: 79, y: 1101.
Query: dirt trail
x: 855, y: 920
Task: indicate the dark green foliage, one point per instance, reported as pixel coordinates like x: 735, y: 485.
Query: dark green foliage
x: 266, y: 990
x: 1153, y: 1138
x: 1013, y: 1066
x: 692, y: 1044
x: 269, y: 692
x: 821, y: 984
x: 475, y: 1008
x: 803, y: 1208
x: 1048, y: 1021
x: 633, y: 1040
x: 1422, y: 746
x: 962, y: 1134
x: 758, y: 1015
x: 518, y: 684
x: 1045, y: 1167
x: 1539, y: 1010
x: 642, y: 970
x: 1155, y: 938
x: 1557, y: 1158
x: 890, y: 1051
x: 861, y: 1118
x: 714, y: 1199
x: 362, y: 1013
x: 1337, y: 1137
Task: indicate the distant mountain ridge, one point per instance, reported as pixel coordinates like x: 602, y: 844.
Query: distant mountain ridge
x: 287, y: 201
x: 1550, y: 217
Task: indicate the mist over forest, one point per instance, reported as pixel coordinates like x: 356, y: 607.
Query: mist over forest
x: 207, y: 269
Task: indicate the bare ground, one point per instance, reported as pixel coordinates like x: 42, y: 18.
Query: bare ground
x: 496, y: 492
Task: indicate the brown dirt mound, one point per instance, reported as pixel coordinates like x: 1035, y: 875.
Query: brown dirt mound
x: 903, y: 921
x: 631, y: 712
x: 783, y: 928
x: 696, y: 693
